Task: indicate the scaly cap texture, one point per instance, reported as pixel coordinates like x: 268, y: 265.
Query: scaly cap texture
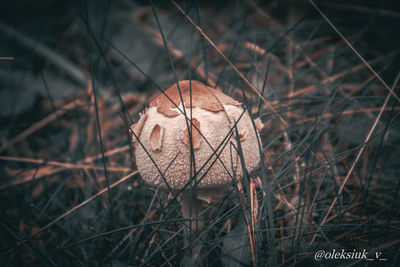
x: 162, y: 130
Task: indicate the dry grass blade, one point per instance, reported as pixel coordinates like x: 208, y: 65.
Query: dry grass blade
x: 64, y: 164
x: 108, y: 153
x: 362, y: 9
x: 57, y: 167
x: 248, y: 223
x: 40, y: 124
x: 346, y: 112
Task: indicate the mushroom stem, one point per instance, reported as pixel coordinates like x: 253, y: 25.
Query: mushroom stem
x: 190, y: 207
x: 193, y: 203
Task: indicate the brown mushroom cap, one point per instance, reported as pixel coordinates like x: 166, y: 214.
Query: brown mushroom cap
x: 162, y: 129
x: 203, y: 97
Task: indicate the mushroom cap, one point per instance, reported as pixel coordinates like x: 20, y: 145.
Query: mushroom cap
x: 162, y: 130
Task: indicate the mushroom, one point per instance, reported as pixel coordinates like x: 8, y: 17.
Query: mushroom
x: 169, y: 131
